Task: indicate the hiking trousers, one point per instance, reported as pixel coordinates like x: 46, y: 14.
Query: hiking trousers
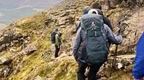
x: 57, y: 49
x: 93, y: 69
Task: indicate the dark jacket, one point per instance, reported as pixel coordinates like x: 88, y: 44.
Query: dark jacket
x: 107, y: 22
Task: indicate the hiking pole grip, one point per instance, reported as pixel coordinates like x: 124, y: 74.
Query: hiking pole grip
x: 117, y: 44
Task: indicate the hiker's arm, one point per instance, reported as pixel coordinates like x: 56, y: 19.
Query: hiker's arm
x: 77, y: 44
x: 78, y: 26
x: 113, y: 38
x: 107, y: 22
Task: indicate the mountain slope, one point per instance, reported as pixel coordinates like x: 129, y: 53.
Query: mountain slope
x: 25, y: 52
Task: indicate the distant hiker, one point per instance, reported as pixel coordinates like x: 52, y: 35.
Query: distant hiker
x: 138, y: 70
x: 56, y: 42
x: 91, y: 45
x: 97, y: 5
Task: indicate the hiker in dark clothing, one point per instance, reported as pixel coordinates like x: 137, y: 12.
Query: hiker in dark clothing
x: 91, y: 44
x: 56, y: 42
x: 97, y: 5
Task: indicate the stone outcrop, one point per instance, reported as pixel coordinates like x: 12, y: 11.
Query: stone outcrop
x: 10, y: 37
x: 5, y: 61
x: 29, y: 49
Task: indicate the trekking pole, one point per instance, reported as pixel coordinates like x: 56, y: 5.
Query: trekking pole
x: 121, y: 27
x: 117, y: 44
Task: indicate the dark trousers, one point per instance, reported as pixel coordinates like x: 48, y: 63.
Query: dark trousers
x: 93, y: 69
x: 57, y: 49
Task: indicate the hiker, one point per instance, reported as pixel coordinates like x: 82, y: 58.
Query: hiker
x: 138, y: 69
x: 91, y: 45
x: 97, y: 5
x: 56, y: 42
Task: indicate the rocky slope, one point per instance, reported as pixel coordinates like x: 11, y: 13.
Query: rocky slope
x: 25, y: 45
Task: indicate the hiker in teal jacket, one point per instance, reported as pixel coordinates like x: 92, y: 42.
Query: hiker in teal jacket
x: 138, y: 70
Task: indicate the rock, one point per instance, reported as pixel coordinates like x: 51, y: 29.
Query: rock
x: 66, y: 13
x: 1, y: 72
x: 11, y: 37
x: 5, y: 61
x: 2, y: 47
x: 5, y: 71
x: 39, y: 78
x: 66, y: 20
x: 119, y: 65
x: 121, y: 62
x: 70, y: 20
x: 30, y: 49
x: 48, y: 21
x: 62, y: 21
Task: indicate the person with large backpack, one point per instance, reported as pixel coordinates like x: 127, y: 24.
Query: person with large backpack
x: 91, y: 45
x: 56, y: 42
x: 138, y: 69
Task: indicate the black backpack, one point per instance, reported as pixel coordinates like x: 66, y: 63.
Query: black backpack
x: 53, y: 37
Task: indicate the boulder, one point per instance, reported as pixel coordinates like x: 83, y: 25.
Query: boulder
x: 66, y: 20
x: 62, y: 21
x: 5, y: 71
x: 40, y: 78
x: 121, y: 62
x: 11, y: 37
x: 2, y: 47
x: 66, y: 13
x: 29, y: 49
x: 5, y: 61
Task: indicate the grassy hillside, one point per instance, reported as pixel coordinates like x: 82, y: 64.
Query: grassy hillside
x: 38, y: 65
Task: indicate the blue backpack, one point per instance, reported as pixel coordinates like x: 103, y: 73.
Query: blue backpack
x: 138, y: 70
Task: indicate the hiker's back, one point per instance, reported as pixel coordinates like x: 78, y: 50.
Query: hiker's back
x: 58, y: 39
x: 92, y: 27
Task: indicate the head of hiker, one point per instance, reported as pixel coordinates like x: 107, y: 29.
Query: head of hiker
x: 96, y: 5
x: 86, y: 9
x: 56, y: 30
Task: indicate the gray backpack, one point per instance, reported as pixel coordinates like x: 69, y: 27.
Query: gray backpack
x: 95, y: 39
